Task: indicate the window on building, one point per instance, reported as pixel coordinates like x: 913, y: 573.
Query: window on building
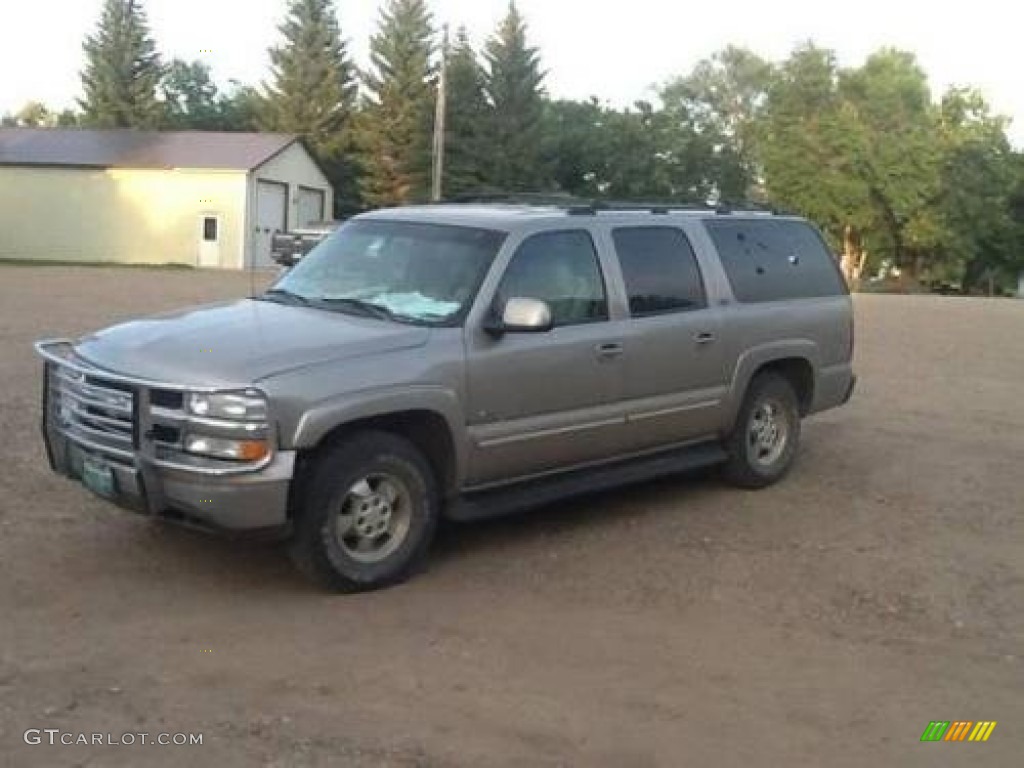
x: 210, y: 229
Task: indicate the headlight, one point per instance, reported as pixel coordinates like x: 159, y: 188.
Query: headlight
x: 229, y: 425
x: 223, y: 448
x: 240, y: 406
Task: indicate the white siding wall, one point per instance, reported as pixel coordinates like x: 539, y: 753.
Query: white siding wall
x: 143, y: 216
x: 119, y: 215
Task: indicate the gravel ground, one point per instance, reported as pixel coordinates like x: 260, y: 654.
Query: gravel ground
x: 824, y: 621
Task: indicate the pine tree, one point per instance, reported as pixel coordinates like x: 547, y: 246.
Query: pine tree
x: 395, y: 130
x: 513, y: 85
x: 313, y: 91
x: 466, y: 133
x: 122, y: 70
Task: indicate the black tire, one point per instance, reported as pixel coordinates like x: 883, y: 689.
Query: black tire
x: 751, y: 464
x: 319, y: 548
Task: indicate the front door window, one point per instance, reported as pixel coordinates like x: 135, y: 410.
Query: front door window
x: 560, y: 268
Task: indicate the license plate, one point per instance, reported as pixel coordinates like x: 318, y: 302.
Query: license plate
x: 98, y: 477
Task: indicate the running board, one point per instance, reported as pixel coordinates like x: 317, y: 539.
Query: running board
x: 535, y: 493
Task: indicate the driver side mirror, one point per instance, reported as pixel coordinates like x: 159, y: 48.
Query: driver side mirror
x: 521, y: 315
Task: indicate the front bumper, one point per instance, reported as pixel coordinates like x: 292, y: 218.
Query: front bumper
x: 144, y: 479
x: 251, y: 502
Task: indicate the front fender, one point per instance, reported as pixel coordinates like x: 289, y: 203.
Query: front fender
x: 317, y: 421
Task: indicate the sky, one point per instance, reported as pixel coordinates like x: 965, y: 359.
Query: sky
x: 611, y: 49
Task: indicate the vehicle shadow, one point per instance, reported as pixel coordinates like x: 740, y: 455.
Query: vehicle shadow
x: 198, y: 560
x: 645, y: 502
x: 226, y: 563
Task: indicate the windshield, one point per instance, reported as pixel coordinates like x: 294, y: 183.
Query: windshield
x: 409, y: 272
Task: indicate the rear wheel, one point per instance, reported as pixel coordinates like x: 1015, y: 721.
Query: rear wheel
x: 368, y: 514
x: 764, y: 440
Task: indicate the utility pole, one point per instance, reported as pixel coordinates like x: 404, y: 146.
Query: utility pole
x: 439, y: 119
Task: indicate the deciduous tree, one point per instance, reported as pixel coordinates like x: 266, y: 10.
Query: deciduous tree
x: 191, y: 98
x: 807, y: 138
x: 720, y: 101
x: 895, y: 152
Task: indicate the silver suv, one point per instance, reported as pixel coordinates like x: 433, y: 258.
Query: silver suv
x: 460, y: 361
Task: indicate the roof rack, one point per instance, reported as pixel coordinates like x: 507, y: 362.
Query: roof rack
x: 577, y: 206
x: 554, y: 199
x: 651, y: 206
x: 721, y: 208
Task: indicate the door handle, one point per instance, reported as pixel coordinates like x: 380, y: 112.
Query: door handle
x: 609, y: 350
x: 703, y: 337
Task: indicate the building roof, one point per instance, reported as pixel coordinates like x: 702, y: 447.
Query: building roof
x: 130, y: 148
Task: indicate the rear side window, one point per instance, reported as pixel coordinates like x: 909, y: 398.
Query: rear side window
x: 773, y: 260
x: 660, y: 270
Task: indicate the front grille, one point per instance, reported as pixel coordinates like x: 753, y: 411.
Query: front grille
x: 96, y: 411
x: 130, y: 421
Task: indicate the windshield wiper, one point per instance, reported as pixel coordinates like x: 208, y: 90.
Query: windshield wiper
x: 289, y: 297
x: 367, y: 308
x: 338, y: 303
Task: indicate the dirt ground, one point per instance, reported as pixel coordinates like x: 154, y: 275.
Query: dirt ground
x: 822, y: 622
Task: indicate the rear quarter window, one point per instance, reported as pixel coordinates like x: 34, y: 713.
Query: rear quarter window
x: 773, y: 260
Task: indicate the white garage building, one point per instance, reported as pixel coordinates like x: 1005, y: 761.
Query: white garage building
x: 205, y: 199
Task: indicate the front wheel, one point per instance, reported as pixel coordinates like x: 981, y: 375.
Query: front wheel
x: 764, y: 440
x: 368, y: 514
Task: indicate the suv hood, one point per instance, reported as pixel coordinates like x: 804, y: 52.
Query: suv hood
x: 240, y: 343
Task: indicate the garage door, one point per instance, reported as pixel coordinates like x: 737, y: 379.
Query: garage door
x: 271, y: 209
x: 311, y: 206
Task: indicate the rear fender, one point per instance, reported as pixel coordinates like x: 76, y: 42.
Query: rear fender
x: 756, y: 358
